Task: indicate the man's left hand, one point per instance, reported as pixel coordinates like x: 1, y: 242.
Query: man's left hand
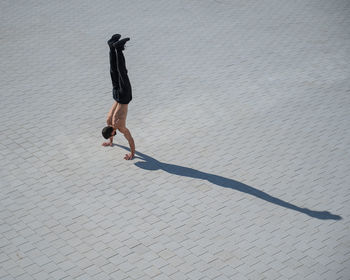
x: 129, y: 156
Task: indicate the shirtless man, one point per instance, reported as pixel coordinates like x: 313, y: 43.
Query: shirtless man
x: 116, y: 118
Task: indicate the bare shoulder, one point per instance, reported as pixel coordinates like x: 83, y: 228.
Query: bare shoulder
x: 123, y: 129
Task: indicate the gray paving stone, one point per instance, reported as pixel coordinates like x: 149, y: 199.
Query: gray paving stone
x: 178, y: 275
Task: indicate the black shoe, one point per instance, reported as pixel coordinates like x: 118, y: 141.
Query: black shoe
x: 113, y: 39
x: 119, y: 45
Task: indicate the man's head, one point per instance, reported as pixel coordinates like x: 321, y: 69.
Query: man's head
x: 108, y: 132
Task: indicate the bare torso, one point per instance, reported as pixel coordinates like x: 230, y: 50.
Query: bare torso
x: 117, y: 119
x: 119, y: 116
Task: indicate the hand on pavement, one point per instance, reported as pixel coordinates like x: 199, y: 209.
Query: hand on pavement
x: 129, y: 156
x: 105, y: 144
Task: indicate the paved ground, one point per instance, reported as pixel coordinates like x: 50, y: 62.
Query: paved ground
x: 242, y: 128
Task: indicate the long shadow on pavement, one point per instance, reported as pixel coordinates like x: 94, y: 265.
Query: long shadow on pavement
x: 150, y: 163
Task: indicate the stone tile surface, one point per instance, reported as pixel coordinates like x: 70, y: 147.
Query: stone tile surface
x: 242, y: 128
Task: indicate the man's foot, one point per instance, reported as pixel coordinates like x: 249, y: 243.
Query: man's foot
x: 113, y: 39
x: 119, y: 45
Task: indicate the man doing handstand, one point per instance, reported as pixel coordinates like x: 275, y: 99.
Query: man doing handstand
x: 116, y: 118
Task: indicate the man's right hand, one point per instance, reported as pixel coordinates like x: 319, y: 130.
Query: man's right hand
x: 105, y: 144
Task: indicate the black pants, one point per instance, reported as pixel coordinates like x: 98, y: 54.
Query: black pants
x: 119, y: 75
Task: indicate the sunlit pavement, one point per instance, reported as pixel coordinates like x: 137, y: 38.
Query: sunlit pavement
x: 240, y: 116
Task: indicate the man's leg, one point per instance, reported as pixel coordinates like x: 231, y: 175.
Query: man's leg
x: 124, y: 82
x: 113, y: 60
x: 124, y: 90
x: 114, y: 68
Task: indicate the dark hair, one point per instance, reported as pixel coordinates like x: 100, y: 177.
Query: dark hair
x: 107, y: 132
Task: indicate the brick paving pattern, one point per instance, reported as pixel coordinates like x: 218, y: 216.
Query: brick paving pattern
x: 242, y: 128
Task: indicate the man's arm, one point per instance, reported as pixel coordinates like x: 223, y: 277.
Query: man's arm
x: 128, y: 137
x: 111, y: 122
x: 111, y: 114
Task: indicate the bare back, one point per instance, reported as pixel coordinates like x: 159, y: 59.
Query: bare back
x: 119, y: 116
